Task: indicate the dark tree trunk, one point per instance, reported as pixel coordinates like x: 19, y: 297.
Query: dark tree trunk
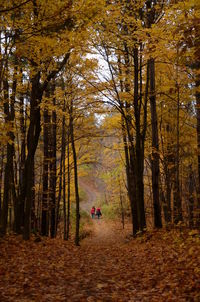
x: 59, y: 189
x: 177, y: 196
x: 121, y: 204
x: 53, y: 173
x: 130, y: 181
x: 191, y: 197
x: 19, y: 223
x: 64, y: 184
x: 45, y: 181
x: 34, y: 130
x: 8, y: 181
x: 68, y: 187
x: 155, y: 147
x: 198, y: 143
x: 1, y: 177
x: 168, y: 162
x: 32, y: 142
x: 75, y: 176
x: 12, y: 136
x: 139, y: 151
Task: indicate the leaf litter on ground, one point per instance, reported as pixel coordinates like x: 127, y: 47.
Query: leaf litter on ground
x: 109, y: 266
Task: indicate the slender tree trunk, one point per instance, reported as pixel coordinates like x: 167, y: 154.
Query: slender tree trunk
x: 68, y: 186
x: 197, y: 82
x: 64, y: 191
x: 64, y: 175
x: 177, y: 197
x: 191, y: 197
x: 169, y: 161
x: 1, y: 177
x: 59, y: 189
x: 130, y: 181
x: 139, y: 162
x: 129, y: 148
x: 19, y: 223
x: 53, y: 173
x: 32, y: 142
x: 45, y: 195
x: 9, y: 159
x: 121, y: 204
x: 12, y: 136
x: 155, y: 147
x: 75, y: 176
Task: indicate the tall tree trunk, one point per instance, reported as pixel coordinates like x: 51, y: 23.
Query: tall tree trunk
x: 53, y: 173
x: 191, y: 197
x: 63, y: 173
x: 64, y: 185
x: 1, y: 177
x: 197, y: 82
x: 177, y: 197
x: 139, y: 159
x: 129, y: 156
x: 19, y: 223
x: 68, y: 186
x: 9, y: 119
x: 45, y: 181
x: 32, y: 142
x: 75, y: 175
x: 33, y: 135
x: 155, y: 147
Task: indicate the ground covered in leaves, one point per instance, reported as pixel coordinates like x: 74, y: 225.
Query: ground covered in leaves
x: 109, y: 266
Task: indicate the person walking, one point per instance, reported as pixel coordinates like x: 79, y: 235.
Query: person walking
x: 92, y: 212
x: 98, y: 213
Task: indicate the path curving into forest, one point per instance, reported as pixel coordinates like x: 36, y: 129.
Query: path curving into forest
x: 104, y: 232
x: 93, y: 193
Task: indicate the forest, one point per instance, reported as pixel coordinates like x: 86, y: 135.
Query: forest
x: 100, y: 106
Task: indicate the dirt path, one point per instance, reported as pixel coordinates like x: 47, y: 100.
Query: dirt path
x: 103, y: 269
x: 107, y: 267
x: 93, y: 193
x: 104, y: 232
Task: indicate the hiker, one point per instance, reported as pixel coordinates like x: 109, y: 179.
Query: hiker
x: 98, y: 212
x: 92, y: 212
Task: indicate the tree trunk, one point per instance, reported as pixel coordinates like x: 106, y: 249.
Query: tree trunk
x: 19, y: 223
x: 177, y: 196
x: 75, y: 176
x: 197, y: 82
x: 155, y: 147
x: 139, y: 144
x: 68, y: 187
x: 32, y: 142
x: 53, y: 173
x: 191, y: 197
x: 63, y: 155
x: 45, y: 181
x: 9, y: 159
x: 1, y: 177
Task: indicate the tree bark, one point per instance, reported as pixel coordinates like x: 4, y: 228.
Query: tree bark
x: 177, y: 197
x: 45, y: 180
x: 53, y: 173
x: 155, y: 147
x: 75, y: 176
x: 68, y: 186
x: 197, y: 82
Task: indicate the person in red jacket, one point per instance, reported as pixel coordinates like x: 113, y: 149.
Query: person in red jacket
x: 92, y: 212
x: 98, y: 212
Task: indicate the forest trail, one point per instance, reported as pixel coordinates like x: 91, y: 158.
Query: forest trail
x: 104, y: 232
x: 109, y: 266
x: 105, y: 268
x: 92, y: 191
